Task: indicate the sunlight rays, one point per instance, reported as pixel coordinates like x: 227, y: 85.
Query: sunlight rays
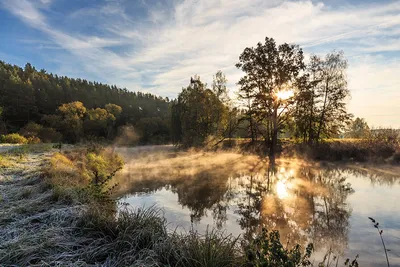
x: 284, y: 95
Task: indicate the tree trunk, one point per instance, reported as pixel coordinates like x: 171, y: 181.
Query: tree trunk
x: 311, y: 116
x: 322, y: 118
x: 274, y: 133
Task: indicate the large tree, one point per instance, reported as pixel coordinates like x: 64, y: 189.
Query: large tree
x: 307, y: 101
x: 334, y: 91
x: 271, y: 73
x: 71, y: 123
x: 321, y: 100
x: 196, y: 114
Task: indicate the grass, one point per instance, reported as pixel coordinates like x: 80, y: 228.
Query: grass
x: 29, y: 149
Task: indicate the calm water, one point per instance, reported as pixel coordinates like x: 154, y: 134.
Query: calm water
x: 327, y: 205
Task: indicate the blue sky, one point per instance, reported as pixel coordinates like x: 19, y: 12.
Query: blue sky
x: 156, y: 46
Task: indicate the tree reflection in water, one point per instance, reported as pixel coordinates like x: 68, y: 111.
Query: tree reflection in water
x: 305, y: 202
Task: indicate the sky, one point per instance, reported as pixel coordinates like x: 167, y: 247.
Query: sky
x: 156, y: 46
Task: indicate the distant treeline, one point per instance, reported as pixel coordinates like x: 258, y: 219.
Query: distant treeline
x: 31, y: 96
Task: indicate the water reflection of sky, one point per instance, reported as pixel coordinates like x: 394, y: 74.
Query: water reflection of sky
x: 178, y: 217
x: 328, y: 206
x: 382, y: 203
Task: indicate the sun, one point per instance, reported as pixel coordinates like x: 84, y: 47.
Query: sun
x: 281, y: 190
x: 284, y: 95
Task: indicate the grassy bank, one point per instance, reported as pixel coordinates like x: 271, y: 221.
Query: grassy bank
x: 58, y: 209
x: 355, y: 150
x: 376, y: 150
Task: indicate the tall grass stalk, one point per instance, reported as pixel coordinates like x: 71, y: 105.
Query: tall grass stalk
x: 376, y: 225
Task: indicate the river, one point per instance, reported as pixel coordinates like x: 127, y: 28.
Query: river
x: 325, y: 204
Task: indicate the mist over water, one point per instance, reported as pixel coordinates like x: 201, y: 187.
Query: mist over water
x: 327, y: 204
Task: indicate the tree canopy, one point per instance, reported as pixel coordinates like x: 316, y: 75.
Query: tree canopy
x: 197, y: 114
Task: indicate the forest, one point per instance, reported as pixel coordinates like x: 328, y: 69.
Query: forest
x: 71, y: 110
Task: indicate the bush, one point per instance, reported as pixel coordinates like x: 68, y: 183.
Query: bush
x: 267, y: 250
x: 83, y: 173
x: 49, y: 135
x: 31, y: 129
x: 13, y: 138
x: 34, y: 140
x: 45, y: 134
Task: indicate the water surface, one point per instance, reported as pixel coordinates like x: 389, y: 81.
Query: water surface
x: 326, y: 204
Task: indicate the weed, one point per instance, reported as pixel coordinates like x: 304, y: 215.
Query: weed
x: 376, y: 225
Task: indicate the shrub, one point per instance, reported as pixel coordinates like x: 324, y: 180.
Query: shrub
x: 49, y: 135
x: 31, y: 129
x: 267, y: 250
x: 13, y: 138
x: 45, y: 134
x: 33, y: 140
x: 85, y: 171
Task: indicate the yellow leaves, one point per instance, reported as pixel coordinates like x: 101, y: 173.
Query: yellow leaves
x: 96, y: 162
x: 97, y: 114
x: 103, y: 164
x: 59, y: 159
x: 13, y: 138
x: 5, y: 162
x: 113, y: 109
x: 74, y: 109
x: 79, y: 167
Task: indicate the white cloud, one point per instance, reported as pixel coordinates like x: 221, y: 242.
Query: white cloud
x: 200, y: 37
x: 26, y: 11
